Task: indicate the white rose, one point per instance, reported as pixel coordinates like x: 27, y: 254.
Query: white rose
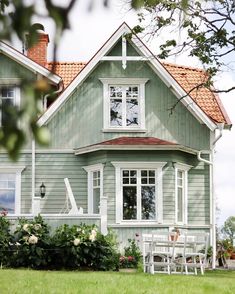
x: 33, y: 239
x: 37, y: 227
x: 92, y: 237
x: 76, y: 241
x: 94, y: 232
x: 26, y: 227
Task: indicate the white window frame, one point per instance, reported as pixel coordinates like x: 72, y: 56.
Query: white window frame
x: 157, y: 166
x: 16, y: 99
x: 107, y: 82
x: 184, y: 168
x: 17, y: 170
x: 90, y: 169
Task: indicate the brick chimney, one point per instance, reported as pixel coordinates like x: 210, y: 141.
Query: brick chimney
x: 38, y: 51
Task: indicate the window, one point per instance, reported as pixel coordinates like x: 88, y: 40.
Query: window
x: 181, y: 193
x: 9, y: 96
x: 10, y: 186
x: 95, y: 187
x: 138, y: 191
x: 124, y: 104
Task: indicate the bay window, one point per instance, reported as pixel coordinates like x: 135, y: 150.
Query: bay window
x: 138, y: 191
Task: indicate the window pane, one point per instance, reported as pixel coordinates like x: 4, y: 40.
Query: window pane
x: 144, y: 181
x: 125, y: 181
x: 132, y: 91
x: 152, y: 173
x: 116, y: 112
x: 125, y: 173
x: 133, y: 173
x: 96, y: 200
x: 144, y: 173
x: 132, y: 112
x: 7, y: 200
x: 180, y: 205
x: 7, y: 92
x: 148, y: 202
x: 115, y: 91
x: 129, y: 203
x: 151, y: 180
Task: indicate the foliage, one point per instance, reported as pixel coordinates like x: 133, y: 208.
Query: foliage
x: 84, y: 246
x: 132, y: 255
x: 5, y: 238
x: 31, y: 244
x: 224, y: 249
x: 228, y: 229
x: 206, y: 29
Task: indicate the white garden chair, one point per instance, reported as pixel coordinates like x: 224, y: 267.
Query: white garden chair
x: 195, y: 252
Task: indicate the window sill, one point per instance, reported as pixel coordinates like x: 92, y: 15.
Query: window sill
x: 113, y: 130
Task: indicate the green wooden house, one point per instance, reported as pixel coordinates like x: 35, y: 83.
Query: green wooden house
x: 131, y: 163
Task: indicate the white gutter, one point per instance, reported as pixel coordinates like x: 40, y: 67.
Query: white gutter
x: 210, y: 162
x: 33, y: 172
x: 50, y: 94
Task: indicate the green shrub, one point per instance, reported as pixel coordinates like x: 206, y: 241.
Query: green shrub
x: 31, y: 244
x: 84, y: 247
x: 132, y: 255
x: 5, y: 239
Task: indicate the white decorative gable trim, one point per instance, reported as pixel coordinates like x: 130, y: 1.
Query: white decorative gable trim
x: 156, y: 65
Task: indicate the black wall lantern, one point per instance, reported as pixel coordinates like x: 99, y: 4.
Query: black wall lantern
x: 42, y: 190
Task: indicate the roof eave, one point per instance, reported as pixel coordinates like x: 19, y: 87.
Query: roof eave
x: 28, y: 63
x: 99, y: 147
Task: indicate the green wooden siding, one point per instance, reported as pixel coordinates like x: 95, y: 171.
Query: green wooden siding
x: 11, y: 69
x: 51, y: 169
x: 79, y: 122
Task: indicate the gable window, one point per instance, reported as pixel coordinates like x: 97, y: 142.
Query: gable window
x: 94, y: 187
x: 9, y: 96
x: 124, y: 104
x: 138, y: 191
x: 181, y: 193
x: 10, y: 187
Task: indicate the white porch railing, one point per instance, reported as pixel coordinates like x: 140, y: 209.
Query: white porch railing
x: 73, y: 212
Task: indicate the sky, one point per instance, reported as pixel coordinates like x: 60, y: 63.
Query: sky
x: 90, y: 29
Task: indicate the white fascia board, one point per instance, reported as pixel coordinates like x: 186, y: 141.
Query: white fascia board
x: 173, y: 85
x: 28, y: 63
x: 94, y: 148
x: 82, y: 75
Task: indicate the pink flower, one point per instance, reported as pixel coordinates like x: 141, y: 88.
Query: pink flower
x: 130, y: 258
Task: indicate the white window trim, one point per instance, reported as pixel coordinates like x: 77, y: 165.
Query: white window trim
x: 90, y: 169
x: 158, y: 166
x: 106, y: 101
x: 17, y: 170
x: 184, y: 168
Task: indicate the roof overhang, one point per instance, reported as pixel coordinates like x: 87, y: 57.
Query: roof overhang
x: 28, y: 63
x: 100, y: 147
x: 156, y: 65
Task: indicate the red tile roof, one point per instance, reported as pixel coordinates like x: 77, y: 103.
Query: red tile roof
x: 136, y: 141
x: 66, y: 70
x: 187, y: 78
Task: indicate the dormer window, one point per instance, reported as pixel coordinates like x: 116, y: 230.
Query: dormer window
x: 9, y: 96
x: 124, y: 104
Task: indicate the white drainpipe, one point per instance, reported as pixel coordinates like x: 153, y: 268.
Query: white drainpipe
x: 220, y: 126
x: 61, y: 87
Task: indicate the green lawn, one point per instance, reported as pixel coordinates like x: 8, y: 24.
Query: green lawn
x: 46, y: 282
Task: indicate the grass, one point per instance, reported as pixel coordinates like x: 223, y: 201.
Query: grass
x: 47, y: 282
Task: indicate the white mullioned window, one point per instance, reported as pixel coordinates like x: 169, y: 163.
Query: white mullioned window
x: 94, y: 187
x: 9, y: 96
x: 10, y: 189
x: 181, y: 193
x: 124, y: 104
x: 138, y: 191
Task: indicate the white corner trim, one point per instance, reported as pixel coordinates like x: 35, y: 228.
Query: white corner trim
x: 10, y: 81
x: 28, y: 63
